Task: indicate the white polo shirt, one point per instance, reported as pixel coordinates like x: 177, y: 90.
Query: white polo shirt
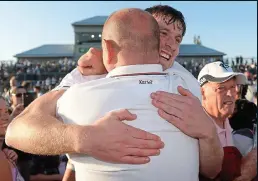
x: 76, y: 77
x: 85, y: 103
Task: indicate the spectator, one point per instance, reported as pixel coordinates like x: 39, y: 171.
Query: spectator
x: 241, y: 91
x: 16, y: 96
x: 53, y: 81
x: 15, y: 109
x: 37, y: 89
x: 48, y: 82
x: 218, y: 84
x: 8, y: 157
x: 26, y: 85
x: 13, y: 82
x: 244, y: 115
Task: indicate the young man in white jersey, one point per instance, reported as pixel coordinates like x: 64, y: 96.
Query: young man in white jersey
x: 199, y: 127
x: 131, y: 57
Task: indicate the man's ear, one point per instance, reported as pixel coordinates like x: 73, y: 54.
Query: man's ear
x: 202, y: 93
x: 110, y: 50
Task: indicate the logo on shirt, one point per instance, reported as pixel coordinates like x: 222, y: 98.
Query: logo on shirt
x: 145, y: 81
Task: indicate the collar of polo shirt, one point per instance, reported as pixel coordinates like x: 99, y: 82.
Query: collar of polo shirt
x: 136, y: 69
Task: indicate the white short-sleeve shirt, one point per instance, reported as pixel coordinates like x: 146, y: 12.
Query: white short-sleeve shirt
x: 85, y: 103
x: 75, y: 77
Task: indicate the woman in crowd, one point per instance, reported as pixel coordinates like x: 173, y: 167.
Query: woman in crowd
x: 7, y: 157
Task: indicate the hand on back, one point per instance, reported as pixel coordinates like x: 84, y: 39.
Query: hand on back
x: 113, y: 141
x: 91, y: 63
x: 185, y: 112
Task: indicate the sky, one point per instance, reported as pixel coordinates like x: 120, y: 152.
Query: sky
x: 229, y: 27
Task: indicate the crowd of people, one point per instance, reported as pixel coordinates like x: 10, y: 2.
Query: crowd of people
x: 217, y: 114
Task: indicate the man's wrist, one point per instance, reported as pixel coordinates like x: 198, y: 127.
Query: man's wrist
x: 210, y: 133
x: 81, y: 139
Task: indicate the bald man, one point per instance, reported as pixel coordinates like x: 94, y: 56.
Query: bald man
x: 131, y: 57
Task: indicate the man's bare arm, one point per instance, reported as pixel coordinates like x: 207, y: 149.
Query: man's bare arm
x: 248, y: 166
x: 37, y: 130
x: 186, y: 113
x: 211, y: 155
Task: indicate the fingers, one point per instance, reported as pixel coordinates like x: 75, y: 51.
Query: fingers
x: 176, y: 111
x: 142, y: 152
x: 145, y: 144
x: 141, y: 134
x: 12, y: 155
x: 172, y: 119
x: 135, y: 160
x: 123, y: 114
x: 169, y: 97
x: 184, y: 92
x: 83, y: 60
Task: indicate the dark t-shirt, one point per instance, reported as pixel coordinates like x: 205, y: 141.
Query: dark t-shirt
x: 47, y: 165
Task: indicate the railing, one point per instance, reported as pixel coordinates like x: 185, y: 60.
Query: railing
x: 41, y: 76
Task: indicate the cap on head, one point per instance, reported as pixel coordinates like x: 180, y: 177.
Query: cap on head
x: 219, y: 72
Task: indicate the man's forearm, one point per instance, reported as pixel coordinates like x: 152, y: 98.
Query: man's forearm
x: 52, y: 137
x: 248, y: 166
x: 37, y: 130
x: 211, y: 155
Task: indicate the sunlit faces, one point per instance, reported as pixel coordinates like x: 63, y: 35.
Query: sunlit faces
x: 17, y: 96
x: 220, y: 97
x: 171, y: 35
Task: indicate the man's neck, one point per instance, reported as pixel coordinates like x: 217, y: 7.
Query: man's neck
x: 219, y: 120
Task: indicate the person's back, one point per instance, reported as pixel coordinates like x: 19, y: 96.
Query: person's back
x: 129, y: 85
x: 179, y: 158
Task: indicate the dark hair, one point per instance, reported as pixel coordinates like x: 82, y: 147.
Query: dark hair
x: 244, y: 115
x: 37, y: 87
x: 167, y: 11
x: 20, y: 87
x: 243, y: 91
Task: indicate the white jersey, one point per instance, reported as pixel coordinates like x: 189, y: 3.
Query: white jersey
x: 83, y: 104
x: 75, y: 77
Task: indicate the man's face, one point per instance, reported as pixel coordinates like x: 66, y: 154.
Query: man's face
x: 170, y: 39
x: 220, y: 98
x: 17, y: 98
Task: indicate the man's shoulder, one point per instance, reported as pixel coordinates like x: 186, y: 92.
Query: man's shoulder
x: 177, y: 67
x: 190, y: 81
x: 88, y: 85
x: 75, y: 77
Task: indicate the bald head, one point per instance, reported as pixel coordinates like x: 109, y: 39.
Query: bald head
x: 132, y: 32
